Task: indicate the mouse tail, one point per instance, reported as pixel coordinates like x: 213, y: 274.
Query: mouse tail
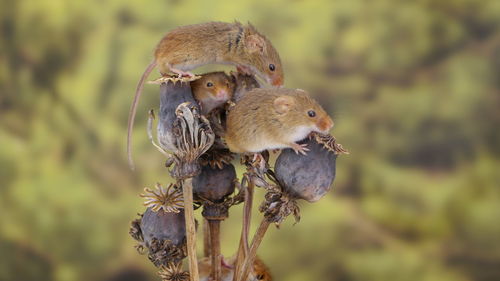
x: 133, y: 111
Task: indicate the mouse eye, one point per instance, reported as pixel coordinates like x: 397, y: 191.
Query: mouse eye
x: 210, y: 84
x: 311, y: 113
x: 272, y: 67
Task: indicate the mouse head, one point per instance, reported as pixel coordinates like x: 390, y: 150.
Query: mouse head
x: 262, y: 57
x: 215, y: 86
x: 299, y: 110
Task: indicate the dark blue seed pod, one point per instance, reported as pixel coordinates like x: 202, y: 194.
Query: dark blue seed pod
x: 171, y: 95
x: 215, y: 184
x: 307, y: 177
x: 163, y: 226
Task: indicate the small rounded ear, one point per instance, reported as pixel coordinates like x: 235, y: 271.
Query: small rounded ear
x: 255, y: 43
x: 283, y: 104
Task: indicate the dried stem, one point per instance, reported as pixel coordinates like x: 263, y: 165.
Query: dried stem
x: 215, y: 254
x: 206, y: 238
x: 247, y: 213
x: 257, y: 239
x: 187, y: 188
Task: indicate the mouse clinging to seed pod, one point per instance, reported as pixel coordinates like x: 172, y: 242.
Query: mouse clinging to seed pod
x: 274, y: 118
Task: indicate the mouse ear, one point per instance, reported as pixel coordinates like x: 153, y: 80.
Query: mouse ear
x: 255, y: 43
x: 283, y: 104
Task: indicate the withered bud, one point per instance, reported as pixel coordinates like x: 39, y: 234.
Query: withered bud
x: 182, y: 130
x: 307, y: 177
x: 215, y: 184
x: 171, y: 96
x: 163, y: 226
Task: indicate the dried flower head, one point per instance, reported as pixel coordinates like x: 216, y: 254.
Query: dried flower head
x: 169, y: 199
x: 163, y: 252
x: 278, y: 205
x: 330, y: 143
x: 173, y: 272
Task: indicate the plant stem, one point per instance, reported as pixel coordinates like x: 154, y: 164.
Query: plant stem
x: 257, y: 239
x: 206, y: 238
x: 247, y: 214
x: 215, y: 255
x: 187, y: 189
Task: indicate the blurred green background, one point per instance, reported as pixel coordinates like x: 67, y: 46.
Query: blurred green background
x: 413, y: 87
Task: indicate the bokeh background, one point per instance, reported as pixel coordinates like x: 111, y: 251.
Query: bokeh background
x: 413, y: 87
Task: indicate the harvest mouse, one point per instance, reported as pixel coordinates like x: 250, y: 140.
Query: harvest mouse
x: 274, y: 118
x: 188, y: 47
x: 212, y: 90
x: 260, y: 271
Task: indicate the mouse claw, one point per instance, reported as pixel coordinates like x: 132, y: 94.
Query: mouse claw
x: 300, y: 148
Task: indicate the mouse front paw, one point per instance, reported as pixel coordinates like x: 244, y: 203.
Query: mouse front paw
x: 299, y: 148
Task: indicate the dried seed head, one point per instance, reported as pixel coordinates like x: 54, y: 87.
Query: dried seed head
x: 173, y: 272
x: 182, y: 130
x: 163, y: 226
x: 307, y: 177
x: 167, y: 199
x: 215, y: 184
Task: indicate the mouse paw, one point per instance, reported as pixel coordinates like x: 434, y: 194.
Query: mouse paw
x: 181, y: 73
x: 299, y: 148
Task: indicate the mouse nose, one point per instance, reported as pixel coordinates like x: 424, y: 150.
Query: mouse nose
x: 325, y: 124
x: 277, y: 82
x: 222, y: 94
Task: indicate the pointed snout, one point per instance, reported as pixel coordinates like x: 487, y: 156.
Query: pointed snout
x: 278, y: 81
x: 325, y: 124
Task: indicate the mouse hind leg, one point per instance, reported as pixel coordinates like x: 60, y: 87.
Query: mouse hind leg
x: 182, y: 73
x: 166, y: 67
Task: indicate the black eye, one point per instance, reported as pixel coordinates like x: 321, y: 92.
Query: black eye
x: 272, y: 67
x: 210, y: 84
x: 311, y: 113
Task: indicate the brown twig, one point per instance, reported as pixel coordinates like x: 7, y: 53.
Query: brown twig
x: 252, y: 253
x: 190, y: 228
x: 247, y: 213
x: 215, y: 254
x: 206, y: 238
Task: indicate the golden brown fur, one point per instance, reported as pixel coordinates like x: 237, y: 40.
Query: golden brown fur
x: 188, y: 47
x: 212, y: 90
x: 260, y: 121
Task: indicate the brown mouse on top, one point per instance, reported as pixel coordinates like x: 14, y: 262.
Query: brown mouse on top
x: 188, y: 47
x: 212, y: 90
x: 272, y: 119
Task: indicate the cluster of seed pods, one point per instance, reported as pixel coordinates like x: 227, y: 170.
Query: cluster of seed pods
x: 206, y: 178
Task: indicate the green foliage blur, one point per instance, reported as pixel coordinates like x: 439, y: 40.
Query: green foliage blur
x: 413, y: 87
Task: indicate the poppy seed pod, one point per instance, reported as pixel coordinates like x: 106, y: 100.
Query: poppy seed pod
x: 182, y: 130
x: 215, y: 184
x: 172, y: 94
x: 163, y: 226
x: 307, y: 177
